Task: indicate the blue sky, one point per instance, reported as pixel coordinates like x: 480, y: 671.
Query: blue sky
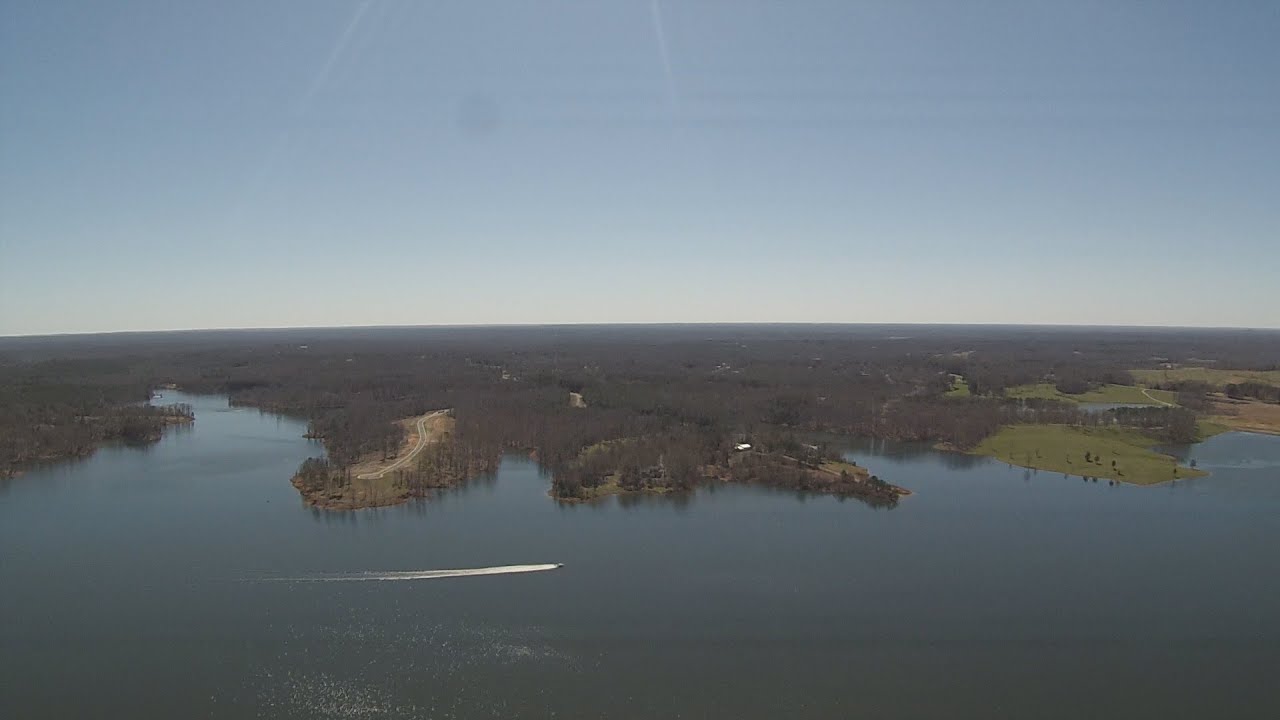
x: 264, y: 164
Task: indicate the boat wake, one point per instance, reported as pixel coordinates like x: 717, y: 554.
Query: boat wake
x: 420, y: 574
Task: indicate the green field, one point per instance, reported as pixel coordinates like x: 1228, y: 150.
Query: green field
x: 1125, y: 394
x: 959, y: 388
x: 1217, y: 377
x: 1039, y: 391
x: 1123, y: 455
x: 835, y: 467
x: 1209, y: 428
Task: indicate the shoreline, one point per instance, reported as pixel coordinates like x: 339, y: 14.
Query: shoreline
x: 1078, y: 452
x: 89, y: 451
x: 857, y: 484
x: 362, y: 486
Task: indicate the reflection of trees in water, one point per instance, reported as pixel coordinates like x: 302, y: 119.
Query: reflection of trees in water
x: 329, y: 517
x: 855, y: 447
x: 487, y: 480
x: 960, y: 461
x: 677, y: 500
x: 803, y: 496
x: 867, y: 451
x: 1181, y: 452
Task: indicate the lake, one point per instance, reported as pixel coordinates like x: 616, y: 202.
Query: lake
x: 155, y: 583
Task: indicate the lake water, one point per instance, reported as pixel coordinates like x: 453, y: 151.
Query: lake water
x: 147, y: 583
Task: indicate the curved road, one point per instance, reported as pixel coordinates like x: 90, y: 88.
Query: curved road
x: 1166, y: 404
x: 422, y: 442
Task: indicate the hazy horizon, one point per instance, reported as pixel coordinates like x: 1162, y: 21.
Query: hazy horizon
x: 387, y: 163
x: 640, y: 325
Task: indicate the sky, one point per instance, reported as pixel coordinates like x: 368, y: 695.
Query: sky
x: 400, y: 162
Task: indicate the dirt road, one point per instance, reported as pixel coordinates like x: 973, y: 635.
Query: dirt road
x: 423, y: 440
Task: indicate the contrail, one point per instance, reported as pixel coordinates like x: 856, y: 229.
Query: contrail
x: 419, y: 574
x: 280, y: 148
x: 322, y: 76
x: 661, y: 35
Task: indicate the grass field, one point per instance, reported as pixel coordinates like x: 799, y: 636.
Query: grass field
x: 835, y: 467
x: 1217, y: 377
x: 959, y: 388
x: 1039, y: 391
x: 1123, y: 455
x: 1209, y: 428
x: 1126, y: 394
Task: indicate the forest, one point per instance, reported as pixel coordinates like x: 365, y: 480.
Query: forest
x: 654, y: 407
x: 60, y: 409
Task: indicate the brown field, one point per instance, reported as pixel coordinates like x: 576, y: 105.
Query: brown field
x: 1247, y: 415
x: 1216, y: 377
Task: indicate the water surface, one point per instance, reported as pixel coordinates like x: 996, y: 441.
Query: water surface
x: 144, y: 583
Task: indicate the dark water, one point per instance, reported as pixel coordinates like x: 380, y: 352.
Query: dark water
x: 137, y: 584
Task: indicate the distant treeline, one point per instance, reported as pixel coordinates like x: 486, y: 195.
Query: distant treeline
x: 1254, y: 391
x: 680, y: 397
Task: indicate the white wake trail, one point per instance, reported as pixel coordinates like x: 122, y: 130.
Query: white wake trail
x: 423, y: 574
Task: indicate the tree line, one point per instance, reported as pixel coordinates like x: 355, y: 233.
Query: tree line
x: 663, y: 404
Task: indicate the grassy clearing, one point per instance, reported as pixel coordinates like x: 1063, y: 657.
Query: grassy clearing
x: 1124, y: 394
x: 1217, y: 377
x: 959, y: 388
x: 1038, y: 391
x: 604, y: 489
x: 835, y: 467
x: 602, y: 446
x: 1209, y: 428
x: 1127, y: 394
x: 1123, y: 455
x: 609, y: 487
